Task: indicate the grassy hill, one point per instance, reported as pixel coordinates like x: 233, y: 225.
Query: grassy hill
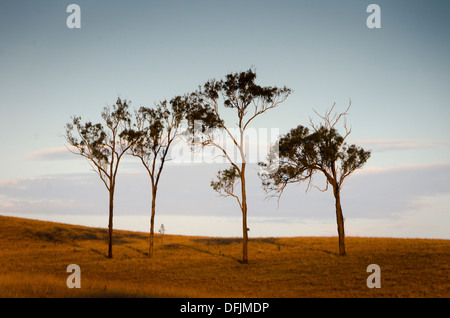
x: 34, y: 256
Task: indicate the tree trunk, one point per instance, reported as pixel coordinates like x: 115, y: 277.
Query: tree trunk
x: 340, y: 222
x: 110, y: 224
x: 152, y: 224
x: 244, y: 218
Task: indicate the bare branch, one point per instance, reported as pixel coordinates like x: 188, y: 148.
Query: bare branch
x: 265, y: 108
x: 330, y: 120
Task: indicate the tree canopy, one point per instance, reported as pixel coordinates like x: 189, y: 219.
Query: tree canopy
x: 303, y: 152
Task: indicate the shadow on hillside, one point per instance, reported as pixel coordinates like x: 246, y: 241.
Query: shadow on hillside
x: 228, y: 241
x: 174, y: 246
x: 63, y: 235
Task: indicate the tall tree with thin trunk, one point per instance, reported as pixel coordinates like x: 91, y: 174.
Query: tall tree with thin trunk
x: 103, y: 146
x: 157, y: 128
x: 302, y: 153
x: 239, y: 93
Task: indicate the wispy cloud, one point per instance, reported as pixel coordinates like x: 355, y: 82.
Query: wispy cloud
x: 57, y: 153
x: 385, y: 145
x: 257, y: 149
x: 403, y: 168
x: 400, y: 198
x: 428, y: 217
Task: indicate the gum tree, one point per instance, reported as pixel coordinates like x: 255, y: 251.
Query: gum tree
x: 157, y: 128
x: 246, y: 100
x: 303, y: 152
x: 103, y: 145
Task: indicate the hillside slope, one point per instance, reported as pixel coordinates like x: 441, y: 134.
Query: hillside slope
x: 34, y: 256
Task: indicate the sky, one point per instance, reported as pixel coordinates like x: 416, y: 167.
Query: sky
x: 397, y: 78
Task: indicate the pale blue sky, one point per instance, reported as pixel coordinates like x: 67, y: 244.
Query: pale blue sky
x: 145, y: 51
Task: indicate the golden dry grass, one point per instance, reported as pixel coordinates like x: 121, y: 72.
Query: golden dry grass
x: 34, y: 256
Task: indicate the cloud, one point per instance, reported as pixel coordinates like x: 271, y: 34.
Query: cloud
x: 407, y: 199
x: 428, y: 217
x: 59, y: 194
x: 57, y: 153
x: 258, y: 142
x: 394, y: 193
x: 387, y: 145
x: 258, y: 145
x: 403, y: 168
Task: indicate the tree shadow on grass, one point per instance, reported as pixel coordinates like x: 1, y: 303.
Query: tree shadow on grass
x: 98, y: 252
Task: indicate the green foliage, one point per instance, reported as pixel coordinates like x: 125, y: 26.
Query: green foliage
x: 92, y: 139
x: 302, y: 153
x: 156, y: 128
x: 103, y: 145
x: 226, y: 181
x: 200, y: 115
x: 237, y: 91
